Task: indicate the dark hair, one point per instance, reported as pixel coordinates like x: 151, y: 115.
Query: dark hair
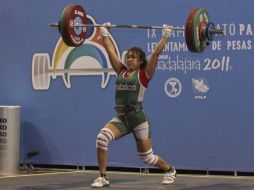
x: 142, y: 55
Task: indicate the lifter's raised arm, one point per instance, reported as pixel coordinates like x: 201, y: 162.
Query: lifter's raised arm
x: 152, y: 62
x: 110, y: 48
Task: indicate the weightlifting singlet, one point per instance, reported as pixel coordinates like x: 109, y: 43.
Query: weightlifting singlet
x: 129, y: 90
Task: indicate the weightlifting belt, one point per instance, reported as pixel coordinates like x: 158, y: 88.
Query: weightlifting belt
x: 128, y: 108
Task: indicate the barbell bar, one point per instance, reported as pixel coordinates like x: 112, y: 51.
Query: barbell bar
x: 199, y: 30
x: 56, y: 25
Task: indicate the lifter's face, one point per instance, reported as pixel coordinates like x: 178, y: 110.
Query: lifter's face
x: 133, y: 61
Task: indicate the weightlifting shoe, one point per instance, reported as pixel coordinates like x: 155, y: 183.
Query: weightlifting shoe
x: 169, y: 177
x: 100, y: 182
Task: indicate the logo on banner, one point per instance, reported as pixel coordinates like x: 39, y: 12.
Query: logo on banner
x: 200, y: 87
x: 173, y: 87
x: 89, y: 59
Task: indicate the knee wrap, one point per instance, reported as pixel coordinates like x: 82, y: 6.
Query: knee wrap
x: 103, y: 138
x: 148, y: 157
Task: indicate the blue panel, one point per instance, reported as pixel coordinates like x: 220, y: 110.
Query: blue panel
x: 209, y: 124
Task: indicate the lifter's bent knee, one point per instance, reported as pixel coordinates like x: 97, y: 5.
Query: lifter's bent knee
x: 148, y: 157
x: 104, y: 137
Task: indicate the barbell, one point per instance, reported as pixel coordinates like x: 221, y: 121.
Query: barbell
x: 199, y: 30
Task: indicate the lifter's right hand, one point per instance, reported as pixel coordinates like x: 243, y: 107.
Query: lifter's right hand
x: 104, y: 29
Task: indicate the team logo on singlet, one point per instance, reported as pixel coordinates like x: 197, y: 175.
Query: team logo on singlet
x: 126, y: 87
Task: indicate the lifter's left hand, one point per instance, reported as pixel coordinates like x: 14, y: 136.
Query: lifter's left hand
x: 166, y: 30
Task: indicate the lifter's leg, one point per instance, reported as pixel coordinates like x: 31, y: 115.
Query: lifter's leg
x: 105, y: 136
x: 145, y: 152
x: 103, y: 139
x: 146, y: 146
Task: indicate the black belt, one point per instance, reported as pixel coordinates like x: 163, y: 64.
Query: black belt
x: 128, y: 108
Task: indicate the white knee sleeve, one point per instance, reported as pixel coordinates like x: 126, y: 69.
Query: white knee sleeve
x: 148, y: 157
x: 103, y: 138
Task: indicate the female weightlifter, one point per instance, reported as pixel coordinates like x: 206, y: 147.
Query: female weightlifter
x: 131, y: 83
